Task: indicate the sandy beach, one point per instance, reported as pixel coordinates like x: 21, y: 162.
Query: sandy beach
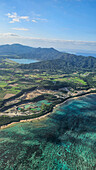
x: 25, y: 120
x: 41, y: 117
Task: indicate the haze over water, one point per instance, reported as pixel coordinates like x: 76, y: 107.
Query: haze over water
x: 65, y: 140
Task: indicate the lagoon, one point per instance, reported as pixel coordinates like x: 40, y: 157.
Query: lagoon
x: 24, y: 61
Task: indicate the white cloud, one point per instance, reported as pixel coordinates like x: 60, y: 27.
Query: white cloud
x: 20, y: 29
x: 13, y: 15
x: 33, y: 20
x: 64, y: 45
x: 7, y: 34
x: 16, y: 18
x: 39, y: 19
x: 42, y: 19
x: 24, y: 17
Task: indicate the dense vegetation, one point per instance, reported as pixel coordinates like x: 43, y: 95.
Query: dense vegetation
x: 67, y: 63
x: 14, y: 49
x: 50, y: 58
x: 20, y: 51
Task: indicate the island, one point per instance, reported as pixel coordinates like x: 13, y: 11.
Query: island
x: 30, y: 91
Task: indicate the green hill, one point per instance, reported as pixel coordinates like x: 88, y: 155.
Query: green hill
x: 28, y: 52
x: 67, y: 63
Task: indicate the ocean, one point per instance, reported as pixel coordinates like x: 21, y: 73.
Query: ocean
x: 64, y: 140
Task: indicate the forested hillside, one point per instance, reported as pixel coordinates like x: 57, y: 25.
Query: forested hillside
x: 50, y: 58
x: 42, y: 54
x: 67, y: 63
x: 21, y: 51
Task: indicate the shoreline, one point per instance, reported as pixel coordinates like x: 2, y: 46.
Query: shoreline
x: 73, y: 98
x: 43, y: 116
x: 23, y: 121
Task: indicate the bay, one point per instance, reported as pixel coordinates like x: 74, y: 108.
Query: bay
x: 24, y: 61
x: 64, y: 140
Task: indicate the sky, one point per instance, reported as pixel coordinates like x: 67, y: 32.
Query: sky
x: 67, y: 25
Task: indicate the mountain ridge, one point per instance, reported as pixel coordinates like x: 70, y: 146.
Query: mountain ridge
x: 67, y: 63
x: 50, y: 58
x: 29, y: 52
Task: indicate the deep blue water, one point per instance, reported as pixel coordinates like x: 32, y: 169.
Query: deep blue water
x: 64, y: 140
x: 24, y: 61
x: 87, y: 54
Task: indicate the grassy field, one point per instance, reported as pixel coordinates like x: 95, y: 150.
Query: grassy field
x: 13, y: 80
x: 3, y: 84
x: 75, y: 80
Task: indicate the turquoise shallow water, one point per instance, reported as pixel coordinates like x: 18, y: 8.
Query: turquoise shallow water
x: 24, y: 61
x: 65, y: 140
